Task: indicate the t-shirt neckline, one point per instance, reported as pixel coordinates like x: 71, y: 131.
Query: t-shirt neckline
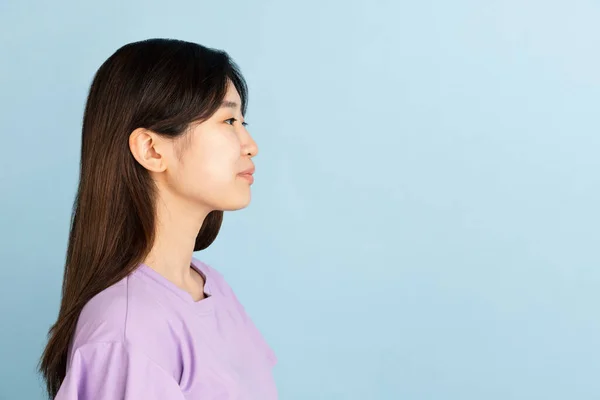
x: 203, y: 306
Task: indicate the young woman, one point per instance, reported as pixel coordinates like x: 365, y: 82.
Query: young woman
x: 164, y: 152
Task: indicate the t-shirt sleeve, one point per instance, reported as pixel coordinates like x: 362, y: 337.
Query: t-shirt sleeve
x: 103, y: 371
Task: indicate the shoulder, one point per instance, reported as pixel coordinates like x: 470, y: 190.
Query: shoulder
x: 103, y: 317
x: 129, y: 313
x: 116, y: 370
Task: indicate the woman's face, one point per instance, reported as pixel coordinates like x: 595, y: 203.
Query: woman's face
x: 213, y: 156
x: 202, y: 169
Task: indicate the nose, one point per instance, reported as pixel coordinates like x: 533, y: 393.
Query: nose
x: 250, y: 147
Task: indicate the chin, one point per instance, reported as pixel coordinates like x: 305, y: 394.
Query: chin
x: 238, y: 205
x: 234, y: 208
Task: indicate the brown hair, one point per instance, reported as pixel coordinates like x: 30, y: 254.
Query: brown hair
x: 159, y: 84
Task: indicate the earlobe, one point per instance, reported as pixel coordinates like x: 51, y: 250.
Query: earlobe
x: 143, y: 147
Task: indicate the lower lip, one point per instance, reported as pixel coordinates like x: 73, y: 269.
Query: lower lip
x: 248, y: 177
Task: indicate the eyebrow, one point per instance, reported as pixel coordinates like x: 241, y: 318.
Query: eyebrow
x: 229, y: 104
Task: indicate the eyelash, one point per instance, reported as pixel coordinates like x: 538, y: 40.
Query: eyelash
x: 235, y: 119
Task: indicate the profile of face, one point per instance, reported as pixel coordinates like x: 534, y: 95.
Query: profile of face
x: 210, y: 167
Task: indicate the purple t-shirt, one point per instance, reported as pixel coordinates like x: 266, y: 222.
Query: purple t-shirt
x: 146, y: 338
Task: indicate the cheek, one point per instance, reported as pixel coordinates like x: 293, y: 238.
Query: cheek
x: 215, y: 162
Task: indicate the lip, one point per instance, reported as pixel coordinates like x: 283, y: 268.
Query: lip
x: 247, y: 174
x: 248, y: 177
x: 248, y: 171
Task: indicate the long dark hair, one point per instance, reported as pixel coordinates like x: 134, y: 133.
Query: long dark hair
x: 159, y: 84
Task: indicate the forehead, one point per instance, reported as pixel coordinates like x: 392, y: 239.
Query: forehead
x: 232, y: 99
x: 232, y: 93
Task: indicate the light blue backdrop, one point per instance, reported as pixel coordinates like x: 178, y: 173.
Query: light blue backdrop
x: 424, y: 222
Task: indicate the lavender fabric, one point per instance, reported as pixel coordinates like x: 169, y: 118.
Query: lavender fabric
x: 146, y: 338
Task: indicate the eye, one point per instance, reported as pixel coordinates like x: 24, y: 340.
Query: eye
x: 235, y: 119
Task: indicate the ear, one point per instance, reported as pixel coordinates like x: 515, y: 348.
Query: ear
x: 145, y: 146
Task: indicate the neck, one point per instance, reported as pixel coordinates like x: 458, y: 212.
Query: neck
x: 177, y: 226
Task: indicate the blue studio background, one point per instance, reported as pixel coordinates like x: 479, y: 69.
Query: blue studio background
x: 424, y: 222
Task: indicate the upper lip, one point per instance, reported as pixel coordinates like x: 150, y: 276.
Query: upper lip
x: 249, y: 171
